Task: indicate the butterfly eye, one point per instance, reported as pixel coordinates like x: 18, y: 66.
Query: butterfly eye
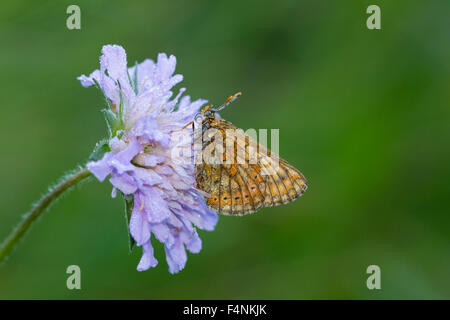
x: 198, y: 117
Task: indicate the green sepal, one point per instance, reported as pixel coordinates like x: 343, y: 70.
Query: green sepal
x: 129, y: 204
x: 112, y: 117
x: 112, y: 121
x: 99, y: 151
x: 97, y: 85
x: 134, y: 82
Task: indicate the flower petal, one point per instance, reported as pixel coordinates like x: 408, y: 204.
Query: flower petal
x: 139, y: 226
x: 149, y: 160
x: 148, y: 260
x: 124, y: 183
x: 114, y: 59
x: 101, y: 168
x: 162, y: 233
x: 194, y: 245
x: 156, y: 208
x: 121, y: 160
x: 176, y: 257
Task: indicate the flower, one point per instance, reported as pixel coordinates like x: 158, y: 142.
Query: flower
x: 146, y: 158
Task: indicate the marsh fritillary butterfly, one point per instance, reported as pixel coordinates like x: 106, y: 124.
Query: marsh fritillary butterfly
x: 237, y: 174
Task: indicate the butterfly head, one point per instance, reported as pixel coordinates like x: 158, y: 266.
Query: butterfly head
x: 207, y: 112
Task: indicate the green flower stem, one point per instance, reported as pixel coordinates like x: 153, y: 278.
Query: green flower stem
x: 66, y: 183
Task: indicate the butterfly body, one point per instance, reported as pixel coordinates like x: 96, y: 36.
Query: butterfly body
x: 244, y: 175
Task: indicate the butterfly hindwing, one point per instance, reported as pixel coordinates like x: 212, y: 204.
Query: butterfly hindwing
x: 249, y: 175
x: 211, y: 185
x: 225, y: 193
x: 256, y: 197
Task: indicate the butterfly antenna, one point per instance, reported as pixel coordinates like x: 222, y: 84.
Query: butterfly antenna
x: 228, y: 101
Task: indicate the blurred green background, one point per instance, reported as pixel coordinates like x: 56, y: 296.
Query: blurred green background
x: 364, y: 114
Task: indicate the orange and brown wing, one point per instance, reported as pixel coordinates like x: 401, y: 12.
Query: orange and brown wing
x: 240, y: 186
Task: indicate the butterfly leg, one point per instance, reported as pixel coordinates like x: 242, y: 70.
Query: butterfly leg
x: 187, y: 125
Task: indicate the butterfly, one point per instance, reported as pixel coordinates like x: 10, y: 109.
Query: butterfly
x: 238, y: 175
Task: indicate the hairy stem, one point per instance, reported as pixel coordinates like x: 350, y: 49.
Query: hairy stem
x: 66, y: 183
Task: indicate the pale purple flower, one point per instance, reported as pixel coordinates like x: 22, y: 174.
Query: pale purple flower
x: 147, y: 159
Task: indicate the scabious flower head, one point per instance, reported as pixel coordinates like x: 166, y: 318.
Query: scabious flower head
x: 147, y: 158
